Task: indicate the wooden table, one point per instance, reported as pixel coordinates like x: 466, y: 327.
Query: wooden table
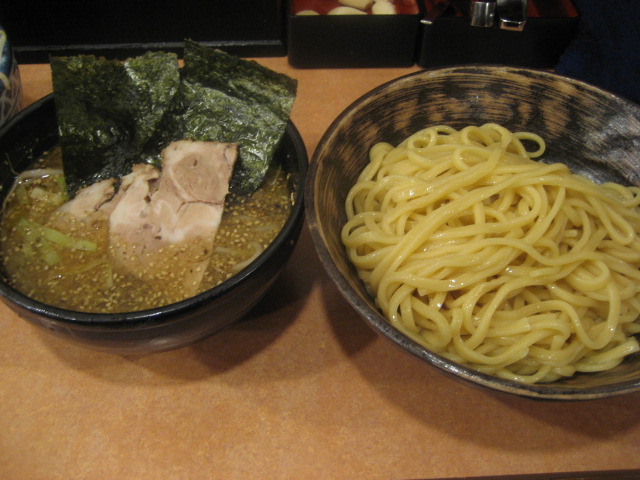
x: 301, y: 389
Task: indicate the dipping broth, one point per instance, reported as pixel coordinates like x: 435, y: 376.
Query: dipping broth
x: 73, y: 270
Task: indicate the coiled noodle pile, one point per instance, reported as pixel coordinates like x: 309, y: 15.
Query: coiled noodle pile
x: 485, y: 256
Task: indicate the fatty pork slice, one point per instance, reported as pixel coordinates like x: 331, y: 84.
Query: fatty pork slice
x: 163, y: 225
x: 86, y: 212
x: 89, y: 200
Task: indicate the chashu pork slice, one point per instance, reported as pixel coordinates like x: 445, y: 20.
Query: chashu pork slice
x: 87, y: 211
x: 89, y: 200
x: 163, y: 224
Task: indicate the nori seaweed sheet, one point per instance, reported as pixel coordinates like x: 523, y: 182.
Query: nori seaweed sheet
x: 228, y: 99
x: 113, y: 114
x: 108, y: 110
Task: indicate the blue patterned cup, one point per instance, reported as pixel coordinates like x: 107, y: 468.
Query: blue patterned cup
x: 10, y: 87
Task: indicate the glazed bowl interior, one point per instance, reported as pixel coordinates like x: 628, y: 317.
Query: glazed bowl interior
x: 596, y: 133
x: 34, y: 131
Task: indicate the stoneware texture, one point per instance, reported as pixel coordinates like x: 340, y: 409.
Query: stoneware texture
x: 33, y: 131
x: 10, y: 86
x: 595, y: 132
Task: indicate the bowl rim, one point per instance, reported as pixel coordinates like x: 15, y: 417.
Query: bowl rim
x: 160, y: 315
x: 376, y: 320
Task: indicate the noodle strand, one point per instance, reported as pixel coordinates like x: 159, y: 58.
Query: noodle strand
x: 513, y: 267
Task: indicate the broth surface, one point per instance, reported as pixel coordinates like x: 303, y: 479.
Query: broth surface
x: 73, y: 271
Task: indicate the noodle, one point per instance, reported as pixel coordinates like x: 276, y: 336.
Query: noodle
x: 487, y: 257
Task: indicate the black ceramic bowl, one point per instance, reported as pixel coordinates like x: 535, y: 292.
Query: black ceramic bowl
x: 595, y: 132
x: 33, y: 131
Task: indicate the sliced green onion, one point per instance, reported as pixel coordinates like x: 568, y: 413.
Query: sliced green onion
x: 50, y: 256
x: 21, y: 194
x: 62, y: 185
x: 59, y: 238
x: 28, y: 239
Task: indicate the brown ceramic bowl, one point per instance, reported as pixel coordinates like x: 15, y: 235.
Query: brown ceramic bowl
x: 596, y: 133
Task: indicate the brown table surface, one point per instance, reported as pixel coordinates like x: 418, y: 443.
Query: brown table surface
x: 302, y: 388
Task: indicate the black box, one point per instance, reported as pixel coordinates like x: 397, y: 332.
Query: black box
x: 125, y: 28
x: 352, y: 41
x: 451, y: 40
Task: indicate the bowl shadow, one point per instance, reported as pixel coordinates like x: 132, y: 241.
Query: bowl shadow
x: 465, y: 410
x: 212, y: 356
